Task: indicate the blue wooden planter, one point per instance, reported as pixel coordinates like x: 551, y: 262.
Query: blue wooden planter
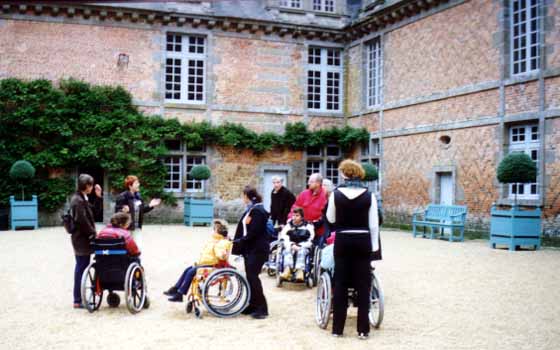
x: 198, y: 211
x: 24, y: 213
x: 515, y: 228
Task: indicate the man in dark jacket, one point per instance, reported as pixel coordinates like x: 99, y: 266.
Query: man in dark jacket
x: 281, y: 200
x: 83, y: 215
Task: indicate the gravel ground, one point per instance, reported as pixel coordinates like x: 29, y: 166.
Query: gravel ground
x: 438, y: 295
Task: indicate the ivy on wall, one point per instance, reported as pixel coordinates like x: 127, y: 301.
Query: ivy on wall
x: 78, y: 125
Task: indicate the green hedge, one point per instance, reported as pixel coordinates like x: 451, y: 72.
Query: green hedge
x: 76, y: 124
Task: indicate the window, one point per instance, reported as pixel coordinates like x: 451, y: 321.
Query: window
x: 291, y: 3
x: 179, y: 163
x: 324, y: 160
x: 524, y: 35
x: 525, y: 139
x: 324, y: 79
x: 185, y: 69
x: 323, y: 5
x: 370, y: 153
x: 373, y: 72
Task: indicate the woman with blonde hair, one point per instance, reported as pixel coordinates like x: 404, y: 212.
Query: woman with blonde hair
x: 352, y: 210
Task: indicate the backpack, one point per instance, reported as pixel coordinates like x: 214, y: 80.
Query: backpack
x: 270, y: 230
x: 68, y: 222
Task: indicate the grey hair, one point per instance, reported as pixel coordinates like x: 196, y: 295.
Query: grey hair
x: 278, y: 178
x: 83, y: 181
x: 317, y: 177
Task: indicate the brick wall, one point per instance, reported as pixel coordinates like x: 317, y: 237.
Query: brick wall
x: 552, y: 93
x: 460, y: 108
x: 252, y: 73
x: 33, y: 50
x: 552, y: 178
x: 447, y: 50
x: 522, y: 98
x: 369, y: 121
x: 354, y: 82
x: 552, y: 38
x: 409, y: 171
x: 259, y: 122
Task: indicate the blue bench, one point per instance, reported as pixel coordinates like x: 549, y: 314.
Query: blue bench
x: 441, y: 217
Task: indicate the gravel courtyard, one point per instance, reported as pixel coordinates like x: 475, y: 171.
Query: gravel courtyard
x: 438, y: 295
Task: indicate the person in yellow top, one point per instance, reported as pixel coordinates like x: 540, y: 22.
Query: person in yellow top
x: 216, y: 250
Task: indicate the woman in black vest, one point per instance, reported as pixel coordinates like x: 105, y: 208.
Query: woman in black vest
x: 251, y: 241
x: 352, y: 210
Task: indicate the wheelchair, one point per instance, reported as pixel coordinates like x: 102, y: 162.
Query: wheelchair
x: 114, y: 270
x: 270, y: 264
x: 324, y: 305
x: 310, y: 270
x: 222, y: 290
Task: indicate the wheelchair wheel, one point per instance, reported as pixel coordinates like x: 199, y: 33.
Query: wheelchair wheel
x: 279, y: 266
x: 271, y: 269
x: 92, y: 293
x: 135, y: 288
x: 197, y: 312
x: 324, y: 300
x: 376, y: 308
x: 225, y: 293
x: 113, y: 299
x: 189, y: 307
x: 316, y: 265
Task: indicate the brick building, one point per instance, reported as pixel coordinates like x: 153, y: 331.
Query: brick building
x: 445, y: 88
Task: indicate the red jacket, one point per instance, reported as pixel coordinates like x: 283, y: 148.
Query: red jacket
x: 111, y: 232
x: 312, y: 205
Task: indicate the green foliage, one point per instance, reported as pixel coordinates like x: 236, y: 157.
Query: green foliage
x: 77, y: 124
x: 200, y: 172
x: 22, y: 171
x: 517, y: 168
x: 371, y: 172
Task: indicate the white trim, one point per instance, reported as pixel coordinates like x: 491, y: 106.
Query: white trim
x: 526, y: 36
x: 324, y: 69
x: 521, y: 139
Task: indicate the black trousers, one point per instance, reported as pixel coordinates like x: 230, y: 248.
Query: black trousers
x: 351, y: 269
x: 253, y: 266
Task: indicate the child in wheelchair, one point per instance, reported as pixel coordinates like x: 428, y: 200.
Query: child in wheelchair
x: 215, y: 251
x: 118, y: 228
x: 297, y: 237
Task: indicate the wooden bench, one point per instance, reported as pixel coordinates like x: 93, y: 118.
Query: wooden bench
x: 441, y: 216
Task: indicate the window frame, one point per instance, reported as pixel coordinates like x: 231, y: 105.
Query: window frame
x: 372, y: 155
x: 525, y: 36
x: 373, y: 68
x: 528, y: 145
x: 186, y: 57
x: 324, y: 69
x: 324, y: 160
x: 183, y: 154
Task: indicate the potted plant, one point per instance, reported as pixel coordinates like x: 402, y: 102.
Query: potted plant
x: 372, y: 175
x: 199, y: 208
x: 23, y: 213
x: 516, y: 227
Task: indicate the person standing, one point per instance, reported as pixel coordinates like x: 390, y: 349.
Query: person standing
x: 312, y: 201
x: 84, y: 218
x: 131, y: 202
x: 281, y: 201
x: 251, y: 241
x: 352, y: 210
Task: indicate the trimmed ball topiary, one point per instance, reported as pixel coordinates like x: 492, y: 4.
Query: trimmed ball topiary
x: 200, y: 172
x: 22, y: 170
x: 371, y: 172
x: 517, y: 168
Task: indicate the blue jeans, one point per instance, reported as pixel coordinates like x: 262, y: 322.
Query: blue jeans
x: 82, y: 263
x: 185, y: 280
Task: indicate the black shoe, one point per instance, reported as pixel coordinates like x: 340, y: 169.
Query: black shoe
x: 178, y: 298
x: 259, y: 315
x: 171, y: 291
x: 248, y: 311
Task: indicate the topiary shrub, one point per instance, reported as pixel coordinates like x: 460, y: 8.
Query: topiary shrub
x: 371, y: 172
x: 22, y: 172
x: 517, y: 168
x: 200, y: 172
